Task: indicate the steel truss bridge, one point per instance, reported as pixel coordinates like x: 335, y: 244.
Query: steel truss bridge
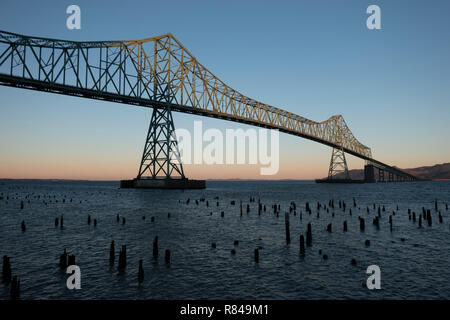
x: 160, y: 73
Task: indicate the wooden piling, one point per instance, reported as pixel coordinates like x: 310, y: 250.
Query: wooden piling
x: 140, y: 272
x: 286, y: 223
x: 63, y: 260
x: 155, y: 247
x: 241, y: 208
x: 256, y: 255
x: 71, y: 260
x: 6, y: 270
x: 362, y: 224
x: 302, y: 245
x: 15, y: 288
x: 122, y: 264
x: 309, y: 235
x: 429, y: 218
x: 112, y: 253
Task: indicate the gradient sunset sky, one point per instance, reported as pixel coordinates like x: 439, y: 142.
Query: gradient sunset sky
x: 312, y: 58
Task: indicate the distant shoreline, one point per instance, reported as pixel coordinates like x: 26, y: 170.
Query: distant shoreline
x: 86, y: 180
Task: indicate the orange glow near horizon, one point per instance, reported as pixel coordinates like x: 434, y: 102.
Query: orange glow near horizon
x: 93, y: 167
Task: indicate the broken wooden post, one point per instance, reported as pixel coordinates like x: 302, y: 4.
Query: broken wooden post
x: 309, y: 235
x: 15, y: 288
x: 71, y: 260
x: 286, y: 222
x: 140, y: 272
x: 155, y: 247
x: 167, y: 256
x: 302, y: 245
x: 112, y: 253
x: 362, y: 224
x: 122, y: 264
x: 63, y: 260
x: 256, y: 255
x: 6, y: 270
x: 376, y: 222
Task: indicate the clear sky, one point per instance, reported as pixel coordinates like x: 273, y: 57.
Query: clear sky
x: 314, y: 58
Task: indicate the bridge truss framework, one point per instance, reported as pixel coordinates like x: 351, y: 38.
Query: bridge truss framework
x: 158, y: 73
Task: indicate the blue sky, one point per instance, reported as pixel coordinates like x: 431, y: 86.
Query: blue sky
x: 313, y: 58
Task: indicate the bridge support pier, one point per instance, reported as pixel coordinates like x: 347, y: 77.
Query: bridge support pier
x: 161, y: 165
x: 369, y: 173
x: 338, y: 171
x: 338, y: 164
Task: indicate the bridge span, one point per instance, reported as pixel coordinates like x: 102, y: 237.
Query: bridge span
x: 160, y: 73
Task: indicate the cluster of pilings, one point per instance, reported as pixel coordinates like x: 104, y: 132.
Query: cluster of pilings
x: 305, y: 240
x: 426, y: 217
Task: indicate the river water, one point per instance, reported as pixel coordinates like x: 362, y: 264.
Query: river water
x: 414, y: 262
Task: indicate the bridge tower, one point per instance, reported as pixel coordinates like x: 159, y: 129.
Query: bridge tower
x: 161, y: 157
x: 338, y: 164
x: 161, y: 166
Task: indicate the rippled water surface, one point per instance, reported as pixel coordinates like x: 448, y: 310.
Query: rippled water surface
x: 414, y: 262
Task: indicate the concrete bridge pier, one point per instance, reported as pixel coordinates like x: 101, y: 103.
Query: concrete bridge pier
x: 369, y: 173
